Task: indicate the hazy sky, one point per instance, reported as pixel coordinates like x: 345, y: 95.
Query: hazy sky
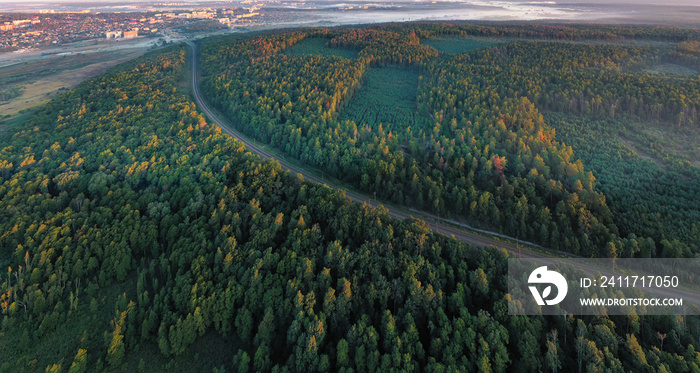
x: 630, y: 2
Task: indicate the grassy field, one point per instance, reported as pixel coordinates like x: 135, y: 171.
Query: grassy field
x: 387, y: 96
x: 317, y: 46
x: 458, y: 44
x: 40, y: 79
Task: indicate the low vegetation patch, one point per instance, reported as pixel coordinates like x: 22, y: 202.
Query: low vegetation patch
x: 457, y: 44
x: 319, y: 47
x: 10, y: 93
x: 647, y: 174
x: 670, y: 69
x: 387, y: 97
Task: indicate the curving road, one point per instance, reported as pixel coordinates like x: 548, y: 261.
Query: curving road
x: 448, y: 227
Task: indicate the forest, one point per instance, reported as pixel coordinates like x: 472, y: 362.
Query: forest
x: 472, y: 142
x: 136, y: 236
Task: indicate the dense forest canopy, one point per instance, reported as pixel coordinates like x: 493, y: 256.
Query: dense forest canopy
x: 138, y: 237
x: 475, y: 146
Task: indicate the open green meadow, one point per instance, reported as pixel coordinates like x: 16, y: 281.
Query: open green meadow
x: 457, y: 44
x: 317, y: 46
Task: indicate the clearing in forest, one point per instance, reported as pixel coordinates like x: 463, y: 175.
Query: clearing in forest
x: 387, y: 96
x: 676, y: 142
x: 457, y: 44
x: 319, y: 47
x: 670, y: 68
x: 40, y: 80
x: 645, y: 171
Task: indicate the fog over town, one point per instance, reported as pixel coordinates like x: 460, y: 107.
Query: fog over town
x: 329, y: 12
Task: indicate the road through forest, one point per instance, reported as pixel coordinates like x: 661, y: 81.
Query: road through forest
x: 441, y: 226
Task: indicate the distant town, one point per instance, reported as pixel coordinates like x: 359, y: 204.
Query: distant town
x: 26, y: 31
x: 24, y: 28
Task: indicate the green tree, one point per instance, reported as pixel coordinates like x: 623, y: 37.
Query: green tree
x: 80, y: 361
x: 552, y: 355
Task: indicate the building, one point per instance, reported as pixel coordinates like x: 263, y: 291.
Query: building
x: 131, y: 34
x: 202, y: 15
x: 247, y: 15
